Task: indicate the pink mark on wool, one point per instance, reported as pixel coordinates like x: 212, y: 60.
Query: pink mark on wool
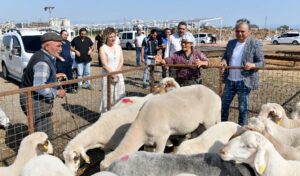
x: 125, y: 158
x: 127, y: 100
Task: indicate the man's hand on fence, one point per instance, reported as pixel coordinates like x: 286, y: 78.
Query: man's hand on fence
x: 223, y: 63
x: 159, y: 60
x: 61, y: 76
x: 61, y: 93
x: 249, y: 66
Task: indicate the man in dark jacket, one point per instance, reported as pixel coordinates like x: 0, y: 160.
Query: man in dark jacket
x: 39, y: 71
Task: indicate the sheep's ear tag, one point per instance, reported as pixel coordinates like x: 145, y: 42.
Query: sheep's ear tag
x: 43, y: 147
x: 87, y: 160
x: 278, y: 121
x: 261, y: 169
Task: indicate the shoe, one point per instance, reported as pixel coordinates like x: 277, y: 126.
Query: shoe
x: 145, y: 86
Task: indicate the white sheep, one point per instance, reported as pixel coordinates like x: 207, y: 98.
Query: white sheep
x: 104, y: 173
x: 178, y: 112
x: 4, y: 120
x: 254, y: 149
x: 295, y: 114
x: 157, y: 164
x: 211, y: 140
x: 31, y: 146
x: 46, y: 165
x: 283, y: 135
x: 107, y: 132
x: 165, y: 85
x: 277, y: 114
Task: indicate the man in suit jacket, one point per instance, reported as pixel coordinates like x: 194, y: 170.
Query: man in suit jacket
x: 247, y: 52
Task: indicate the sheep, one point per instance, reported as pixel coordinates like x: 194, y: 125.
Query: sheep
x: 278, y: 115
x: 211, y: 140
x: 257, y: 151
x: 108, y: 131
x: 165, y: 85
x: 104, y: 173
x: 177, y: 112
x: 286, y: 151
x: 4, y: 120
x: 290, y: 137
x: 154, y: 164
x: 46, y: 165
x: 295, y: 113
x: 31, y: 146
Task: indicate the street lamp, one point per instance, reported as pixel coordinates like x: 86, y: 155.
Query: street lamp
x: 49, y: 9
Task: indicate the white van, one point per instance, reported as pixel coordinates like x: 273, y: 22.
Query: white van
x: 127, y: 39
x: 203, y: 37
x: 17, y: 48
x: 287, y: 38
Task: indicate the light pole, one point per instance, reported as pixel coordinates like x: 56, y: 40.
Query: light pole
x: 49, y: 9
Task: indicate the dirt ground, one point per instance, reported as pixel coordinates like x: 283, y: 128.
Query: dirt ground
x: 273, y: 83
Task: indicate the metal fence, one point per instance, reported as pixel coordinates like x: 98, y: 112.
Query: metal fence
x: 76, y: 111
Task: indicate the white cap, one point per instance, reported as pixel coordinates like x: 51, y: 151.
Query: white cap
x: 188, y: 37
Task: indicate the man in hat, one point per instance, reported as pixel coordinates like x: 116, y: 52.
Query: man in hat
x: 188, y: 56
x: 39, y: 71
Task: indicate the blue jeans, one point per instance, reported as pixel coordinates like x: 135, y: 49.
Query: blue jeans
x: 231, y: 88
x: 147, y: 71
x: 84, y: 70
x: 138, y: 55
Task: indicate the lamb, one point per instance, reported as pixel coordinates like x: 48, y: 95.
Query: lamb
x: 296, y: 111
x: 31, y: 146
x: 211, y: 140
x: 104, y: 173
x: 4, y: 120
x: 165, y: 85
x: 254, y: 149
x: 46, y: 165
x: 278, y: 115
x: 286, y: 151
x: 154, y: 164
x: 290, y: 137
x: 107, y: 132
x: 177, y: 112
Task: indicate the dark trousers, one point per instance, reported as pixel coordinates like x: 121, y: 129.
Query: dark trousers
x: 230, y: 90
x: 42, y: 112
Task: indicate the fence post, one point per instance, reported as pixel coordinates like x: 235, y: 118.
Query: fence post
x: 109, y: 77
x: 151, y: 77
x: 220, y: 81
x: 30, y: 112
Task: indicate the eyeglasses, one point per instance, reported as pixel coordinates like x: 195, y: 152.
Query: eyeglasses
x: 240, y: 31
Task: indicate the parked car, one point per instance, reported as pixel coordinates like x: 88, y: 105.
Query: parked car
x: 17, y: 48
x: 287, y: 38
x: 203, y: 37
x: 127, y: 39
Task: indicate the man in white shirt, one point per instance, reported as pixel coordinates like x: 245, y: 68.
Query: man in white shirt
x: 138, y: 46
x: 175, y: 39
x: 246, y: 52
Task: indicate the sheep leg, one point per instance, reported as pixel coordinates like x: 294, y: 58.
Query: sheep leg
x: 161, y: 143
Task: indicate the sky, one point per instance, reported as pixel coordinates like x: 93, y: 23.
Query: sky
x: 264, y: 13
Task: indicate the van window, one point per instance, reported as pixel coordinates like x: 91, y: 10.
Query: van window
x: 202, y: 35
x: 124, y: 36
x: 293, y: 35
x: 196, y: 35
x: 6, y: 42
x: 16, y: 43
x: 129, y: 35
x: 32, y: 43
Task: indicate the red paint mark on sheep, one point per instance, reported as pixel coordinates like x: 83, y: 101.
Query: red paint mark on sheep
x: 125, y: 158
x: 127, y: 100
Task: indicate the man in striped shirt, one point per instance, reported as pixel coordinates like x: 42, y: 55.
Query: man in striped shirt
x: 39, y: 71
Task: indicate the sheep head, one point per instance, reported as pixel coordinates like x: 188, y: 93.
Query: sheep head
x: 72, y: 158
x: 165, y: 85
x: 255, y: 124
x: 40, y: 141
x: 248, y: 148
x: 273, y: 111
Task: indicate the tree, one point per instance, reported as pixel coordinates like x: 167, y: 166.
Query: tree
x: 283, y: 28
